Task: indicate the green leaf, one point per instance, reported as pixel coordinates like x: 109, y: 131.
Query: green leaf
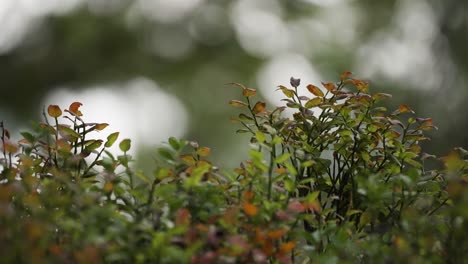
x: 174, y: 143
x: 94, y: 145
x: 282, y: 158
x: 260, y: 136
x: 125, y: 145
x: 111, y: 139
x: 166, y: 153
x: 314, y: 102
x: 28, y: 136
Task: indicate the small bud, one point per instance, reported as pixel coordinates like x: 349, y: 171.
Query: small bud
x: 295, y: 82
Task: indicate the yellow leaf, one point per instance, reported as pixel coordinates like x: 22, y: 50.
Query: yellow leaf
x: 188, y: 159
x: 54, y: 111
x: 288, y: 92
x: 259, y: 107
x: 315, y: 90
x: 100, y: 127
x: 203, y: 151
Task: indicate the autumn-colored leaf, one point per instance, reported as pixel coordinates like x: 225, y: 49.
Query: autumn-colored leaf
x: 189, y: 159
x: 405, y: 109
x: 10, y: 147
x: 249, y: 92
x: 277, y: 234
x: 296, y: 207
x: 259, y: 107
x: 329, y: 86
x: 101, y: 126
x: 237, y: 103
x: 203, y: 151
x: 381, y: 96
x: 250, y: 209
x: 280, y: 170
x: 315, y: 90
x: 287, y: 247
x: 248, y: 195
x: 182, y: 217
x: 361, y: 85
x: 345, y: 75
x: 238, y: 85
x: 74, y: 108
x: 54, y: 111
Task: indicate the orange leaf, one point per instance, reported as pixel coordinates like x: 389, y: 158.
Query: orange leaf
x: 54, y: 111
x: 74, y: 108
x: 345, y: 75
x: 238, y: 85
x: 329, y: 86
x: 277, y: 234
x: 248, y: 195
x: 404, y: 109
x: 280, y: 170
x: 361, y: 85
x: 315, y: 90
x: 287, y: 247
x: 249, y: 92
x: 259, y: 107
x: 237, y: 103
x: 250, y: 209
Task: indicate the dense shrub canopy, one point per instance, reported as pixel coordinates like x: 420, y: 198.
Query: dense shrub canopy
x: 339, y: 179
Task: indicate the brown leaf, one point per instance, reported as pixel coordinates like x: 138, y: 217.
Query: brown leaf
x: 249, y: 92
x: 237, y: 103
x: 345, y: 75
x: 259, y: 107
x: 54, y: 111
x: 315, y: 90
x: 329, y: 86
x: 74, y: 108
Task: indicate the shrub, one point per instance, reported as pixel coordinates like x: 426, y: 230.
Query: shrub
x: 341, y: 180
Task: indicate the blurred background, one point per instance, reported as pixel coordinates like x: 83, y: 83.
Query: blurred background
x: 156, y: 68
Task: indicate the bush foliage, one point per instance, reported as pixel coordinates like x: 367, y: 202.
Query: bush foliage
x: 340, y: 180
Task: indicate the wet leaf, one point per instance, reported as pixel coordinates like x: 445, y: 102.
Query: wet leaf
x: 54, y: 111
x: 237, y: 103
x: 259, y: 107
x: 74, y: 108
x: 249, y: 92
x: 125, y: 145
x: 111, y: 139
x: 315, y: 90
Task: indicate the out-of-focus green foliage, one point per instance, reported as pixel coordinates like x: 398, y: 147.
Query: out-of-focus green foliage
x: 86, y: 47
x: 342, y: 180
